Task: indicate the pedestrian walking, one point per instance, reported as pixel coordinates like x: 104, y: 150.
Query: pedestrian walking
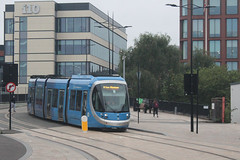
x: 13, y: 106
x: 155, y: 107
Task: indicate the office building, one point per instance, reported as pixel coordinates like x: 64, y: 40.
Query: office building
x: 45, y: 37
x: 215, y: 30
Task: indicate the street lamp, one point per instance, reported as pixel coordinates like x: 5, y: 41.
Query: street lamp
x: 113, y: 28
x: 191, y: 8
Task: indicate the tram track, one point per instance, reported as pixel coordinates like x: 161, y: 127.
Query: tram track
x: 180, y: 141
x: 87, y: 138
x: 181, y: 146
x: 82, y: 152
x: 158, y: 139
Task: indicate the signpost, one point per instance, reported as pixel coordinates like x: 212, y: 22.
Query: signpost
x: 10, y: 87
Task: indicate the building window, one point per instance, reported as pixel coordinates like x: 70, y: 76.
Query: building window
x: 9, y: 48
x: 232, y: 25
x: 71, y: 47
x: 197, y: 10
x: 184, y: 50
x: 216, y: 9
x: 232, y: 6
x: 197, y: 45
x: 232, y: 66
x: 72, y: 24
x: 73, y: 68
x: 23, y: 24
x: 184, y: 10
x: 197, y: 28
x: 214, y: 28
x: 218, y: 64
x: 215, y: 49
x: 23, y: 72
x: 9, y: 26
x: 70, y: 68
x: 184, y: 28
x: 232, y: 49
x: 23, y: 46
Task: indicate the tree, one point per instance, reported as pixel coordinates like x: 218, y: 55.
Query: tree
x: 215, y: 82
x: 157, y: 60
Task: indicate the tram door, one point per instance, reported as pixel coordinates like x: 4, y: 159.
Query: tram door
x: 84, y: 103
x: 49, y: 103
x: 60, y: 106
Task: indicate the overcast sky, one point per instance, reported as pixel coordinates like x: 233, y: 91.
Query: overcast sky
x: 151, y: 16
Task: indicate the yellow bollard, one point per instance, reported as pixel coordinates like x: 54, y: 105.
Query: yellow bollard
x: 84, y: 123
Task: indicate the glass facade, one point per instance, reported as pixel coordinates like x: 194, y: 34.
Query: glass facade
x: 74, y: 68
x: 232, y: 27
x: 197, y: 29
x: 232, y: 66
x: 232, y: 6
x: 232, y: 49
x: 214, y: 28
x: 9, y: 48
x: 72, y: 47
x: 215, y: 49
x: 196, y: 4
x: 102, y: 32
x: 216, y: 10
x: 184, y: 10
x: 23, y: 50
x: 75, y: 24
x: 86, y: 46
x: 9, y: 26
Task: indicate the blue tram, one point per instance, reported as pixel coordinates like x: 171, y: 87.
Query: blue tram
x: 104, y: 100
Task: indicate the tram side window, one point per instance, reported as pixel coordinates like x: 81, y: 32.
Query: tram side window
x: 61, y: 98
x: 79, y: 100
x: 97, y: 104
x: 55, y: 98
x: 49, y: 100
x: 39, y: 97
x: 72, y: 100
x: 30, y: 95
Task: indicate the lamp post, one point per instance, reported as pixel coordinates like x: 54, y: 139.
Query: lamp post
x: 191, y: 54
x: 116, y: 27
x: 109, y: 49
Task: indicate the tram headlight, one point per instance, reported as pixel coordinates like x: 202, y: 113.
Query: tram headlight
x: 105, y: 116
x: 127, y: 115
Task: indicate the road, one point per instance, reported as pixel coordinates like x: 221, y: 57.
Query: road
x: 166, y: 137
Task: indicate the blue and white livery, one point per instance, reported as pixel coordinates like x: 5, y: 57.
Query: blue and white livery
x: 104, y: 100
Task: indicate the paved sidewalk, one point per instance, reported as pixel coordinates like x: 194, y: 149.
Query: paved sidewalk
x: 170, y: 125
x: 178, y: 126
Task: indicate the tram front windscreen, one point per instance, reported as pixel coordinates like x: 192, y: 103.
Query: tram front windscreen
x: 110, y: 98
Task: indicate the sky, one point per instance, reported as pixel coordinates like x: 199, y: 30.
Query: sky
x: 152, y: 16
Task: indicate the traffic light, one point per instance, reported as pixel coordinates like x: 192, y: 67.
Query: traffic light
x: 10, y: 74
x: 187, y: 84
